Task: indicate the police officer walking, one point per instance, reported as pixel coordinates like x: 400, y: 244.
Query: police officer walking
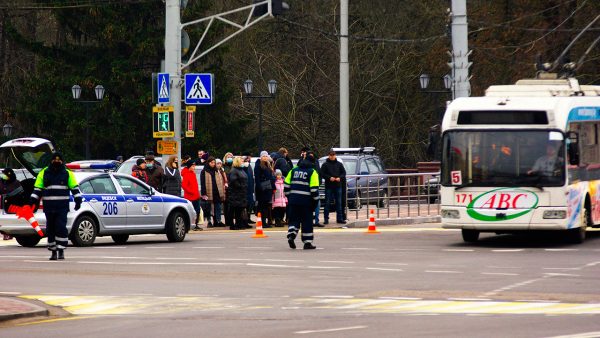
x: 301, y: 187
x: 53, y: 185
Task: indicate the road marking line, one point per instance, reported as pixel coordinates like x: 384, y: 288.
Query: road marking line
x: 562, y: 268
x: 503, y: 267
x: 333, y: 296
x: 500, y: 273
x: 442, y: 271
x: 233, y: 259
x: 507, y: 250
x: 561, y: 274
x: 358, y: 249
x: 558, y: 250
x: 255, y: 247
x: 340, y: 262
x: 384, y: 269
x: 402, y: 298
x: 273, y: 265
x: 284, y: 260
x: 325, y: 267
x: 332, y: 330
x: 175, y: 258
x: 9, y: 293
x: 159, y: 247
x: 392, y: 264
x: 208, y: 247
x: 581, y: 335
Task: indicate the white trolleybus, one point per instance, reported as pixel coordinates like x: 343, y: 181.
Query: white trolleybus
x: 523, y: 157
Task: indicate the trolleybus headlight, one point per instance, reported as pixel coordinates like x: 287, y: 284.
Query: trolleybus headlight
x: 556, y: 214
x: 450, y: 213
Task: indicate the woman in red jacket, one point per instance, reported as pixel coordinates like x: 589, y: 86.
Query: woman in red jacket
x: 189, y: 183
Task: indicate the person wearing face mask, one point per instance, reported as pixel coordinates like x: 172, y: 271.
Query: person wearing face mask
x: 212, y: 189
x: 172, y: 179
x: 139, y: 170
x: 155, y: 172
x: 54, y: 184
x: 11, y: 190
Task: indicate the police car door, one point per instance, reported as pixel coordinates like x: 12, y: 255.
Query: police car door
x: 144, y: 211
x: 102, y: 196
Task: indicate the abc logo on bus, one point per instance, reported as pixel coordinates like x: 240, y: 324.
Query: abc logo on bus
x: 511, y: 202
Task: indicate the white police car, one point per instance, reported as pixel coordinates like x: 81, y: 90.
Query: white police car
x: 116, y: 205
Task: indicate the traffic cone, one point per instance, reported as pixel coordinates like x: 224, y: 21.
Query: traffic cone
x: 26, y: 212
x: 372, y: 229
x: 259, y: 231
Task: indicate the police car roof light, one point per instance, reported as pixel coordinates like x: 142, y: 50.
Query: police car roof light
x: 92, y: 166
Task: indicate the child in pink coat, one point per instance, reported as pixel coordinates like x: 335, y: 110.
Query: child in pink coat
x: 279, y: 199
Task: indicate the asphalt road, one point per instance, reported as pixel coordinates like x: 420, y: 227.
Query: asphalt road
x: 409, y: 281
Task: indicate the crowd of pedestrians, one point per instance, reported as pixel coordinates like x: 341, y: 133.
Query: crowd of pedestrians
x: 229, y: 191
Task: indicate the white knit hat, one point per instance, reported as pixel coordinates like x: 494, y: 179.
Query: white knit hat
x: 264, y: 153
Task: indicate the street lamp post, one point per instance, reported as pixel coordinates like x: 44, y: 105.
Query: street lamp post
x: 424, y: 80
x: 7, y: 129
x: 272, y: 86
x: 76, y: 91
x: 433, y: 149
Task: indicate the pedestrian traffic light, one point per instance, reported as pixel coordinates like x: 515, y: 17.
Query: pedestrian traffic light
x: 163, y: 122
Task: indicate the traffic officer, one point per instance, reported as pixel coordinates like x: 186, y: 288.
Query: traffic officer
x: 52, y: 185
x: 301, y: 187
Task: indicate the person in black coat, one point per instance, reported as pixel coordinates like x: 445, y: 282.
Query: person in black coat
x: 263, y: 172
x: 172, y: 179
x: 334, y: 173
x: 237, y: 193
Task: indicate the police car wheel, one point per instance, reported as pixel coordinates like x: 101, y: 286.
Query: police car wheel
x: 28, y: 241
x: 120, y: 239
x: 84, y: 231
x: 176, y: 227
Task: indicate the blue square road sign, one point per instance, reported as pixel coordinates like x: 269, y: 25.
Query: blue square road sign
x: 199, y: 88
x: 164, y: 94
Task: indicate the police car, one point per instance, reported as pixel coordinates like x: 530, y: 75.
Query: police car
x: 116, y: 205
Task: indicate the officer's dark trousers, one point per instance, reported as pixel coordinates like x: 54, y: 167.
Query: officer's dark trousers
x: 56, y: 229
x: 300, y: 214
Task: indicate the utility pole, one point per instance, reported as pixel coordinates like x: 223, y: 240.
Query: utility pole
x: 172, y: 65
x: 344, y: 77
x: 460, y: 49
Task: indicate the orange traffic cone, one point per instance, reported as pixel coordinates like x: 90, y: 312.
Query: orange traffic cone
x: 259, y: 231
x: 26, y: 212
x: 372, y: 229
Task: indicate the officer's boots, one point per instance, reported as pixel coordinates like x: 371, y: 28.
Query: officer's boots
x: 53, y: 256
x: 61, y: 254
x: 309, y: 246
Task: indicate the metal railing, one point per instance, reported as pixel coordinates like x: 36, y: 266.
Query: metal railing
x: 392, y: 196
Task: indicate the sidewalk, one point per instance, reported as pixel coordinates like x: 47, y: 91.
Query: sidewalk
x: 13, y: 308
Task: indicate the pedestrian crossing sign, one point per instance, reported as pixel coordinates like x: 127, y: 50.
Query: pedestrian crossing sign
x: 199, y: 88
x: 163, y: 88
